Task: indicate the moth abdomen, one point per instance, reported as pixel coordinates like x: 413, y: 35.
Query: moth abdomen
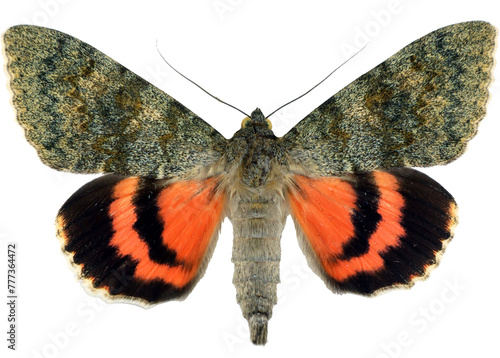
x: 256, y: 275
x: 257, y: 224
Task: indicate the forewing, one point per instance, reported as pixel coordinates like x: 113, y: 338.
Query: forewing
x: 86, y: 113
x: 418, y: 108
x: 140, y: 239
x: 363, y: 233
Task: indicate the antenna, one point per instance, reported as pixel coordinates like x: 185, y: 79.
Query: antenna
x: 197, y: 85
x: 323, y: 80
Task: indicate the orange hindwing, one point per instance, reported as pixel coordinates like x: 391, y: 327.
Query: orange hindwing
x: 140, y: 238
x: 365, y: 232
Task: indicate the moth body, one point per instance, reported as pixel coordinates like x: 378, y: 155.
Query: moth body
x: 258, y: 213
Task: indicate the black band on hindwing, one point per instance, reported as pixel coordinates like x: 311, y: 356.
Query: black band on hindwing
x: 427, y: 218
x: 149, y: 224
x: 365, y: 217
x: 88, y: 230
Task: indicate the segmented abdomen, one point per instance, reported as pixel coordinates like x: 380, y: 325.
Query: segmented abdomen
x: 258, y: 222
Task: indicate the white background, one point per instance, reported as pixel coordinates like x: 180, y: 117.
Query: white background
x: 250, y: 53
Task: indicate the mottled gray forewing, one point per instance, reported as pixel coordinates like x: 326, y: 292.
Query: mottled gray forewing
x: 418, y: 108
x: 86, y: 113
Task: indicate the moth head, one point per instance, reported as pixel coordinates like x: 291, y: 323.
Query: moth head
x: 257, y: 119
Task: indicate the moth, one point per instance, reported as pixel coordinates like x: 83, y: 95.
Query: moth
x: 145, y: 231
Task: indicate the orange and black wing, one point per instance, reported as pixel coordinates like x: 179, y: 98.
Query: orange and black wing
x: 366, y: 232
x: 140, y: 239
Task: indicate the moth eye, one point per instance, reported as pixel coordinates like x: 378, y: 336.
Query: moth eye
x: 269, y: 124
x: 245, y: 122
